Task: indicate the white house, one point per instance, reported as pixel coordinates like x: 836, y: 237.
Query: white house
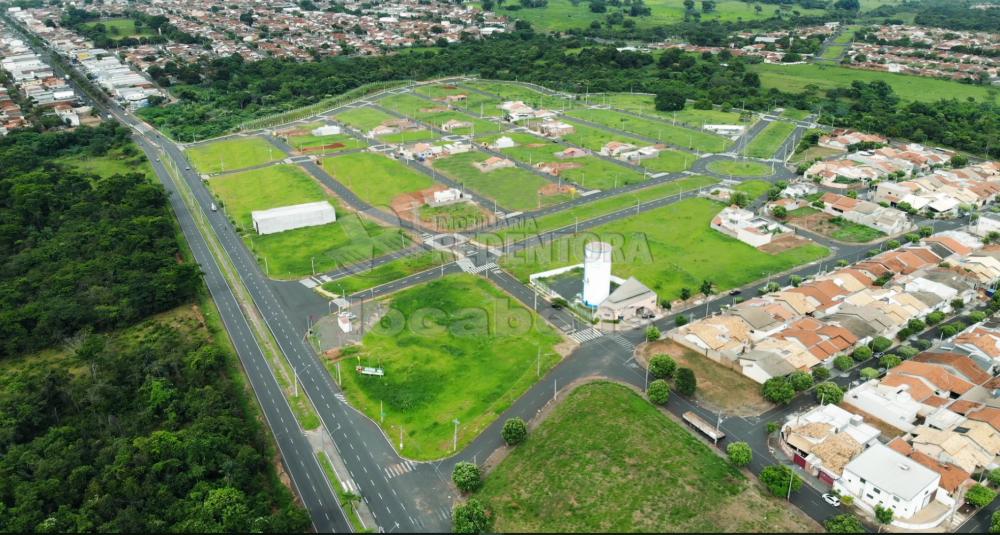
x: 881, y: 476
x: 745, y: 226
x: 292, y: 217
x: 326, y: 130
x: 504, y: 142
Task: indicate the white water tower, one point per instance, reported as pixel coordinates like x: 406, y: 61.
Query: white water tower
x: 596, y: 273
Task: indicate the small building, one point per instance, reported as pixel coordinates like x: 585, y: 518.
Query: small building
x: 883, y: 477
x: 743, y: 225
x: 629, y: 300
x: 455, y: 124
x: 503, y: 142
x: 725, y: 129
x: 571, y: 152
x: 326, y: 130
x: 555, y: 129
x: 444, y: 197
x: 292, y: 217
x: 493, y: 163
x: 615, y: 148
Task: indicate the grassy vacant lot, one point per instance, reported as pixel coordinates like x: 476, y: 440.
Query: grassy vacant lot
x: 598, y: 208
x: 261, y: 189
x: 305, y: 141
x: 813, y: 153
x: 388, y: 272
x: 119, y: 28
x: 455, y: 217
x: 233, y: 154
x: 377, y: 179
x: 837, y: 228
x: 769, y: 140
x: 658, y: 130
x: 668, y: 248
x: 424, y: 111
x: 474, y: 101
x: 512, y: 188
x: 669, y: 161
x: 512, y: 91
x: 589, y: 172
x: 795, y: 78
x: 115, y: 162
x: 740, y: 168
x: 448, y: 361
x: 753, y: 188
x: 363, y: 119
x: 644, y: 104
x: 606, y: 460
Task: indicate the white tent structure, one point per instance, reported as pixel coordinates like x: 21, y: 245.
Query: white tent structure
x: 292, y: 217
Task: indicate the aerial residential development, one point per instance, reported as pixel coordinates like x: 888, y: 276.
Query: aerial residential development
x: 536, y: 266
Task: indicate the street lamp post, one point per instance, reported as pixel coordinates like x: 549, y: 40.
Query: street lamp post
x: 454, y: 446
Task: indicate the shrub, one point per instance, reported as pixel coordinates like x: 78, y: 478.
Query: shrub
x: 740, y: 453
x: 773, y: 427
x: 979, y: 496
x: 652, y: 333
x: 472, y: 517
x: 922, y: 344
x: 821, y: 373
x: 685, y: 381
x: 778, y: 390
x: 977, y: 316
x: 828, y: 393
x: 467, y: 477
x: 880, y: 344
x: 514, y: 431
x: 890, y: 361
x: 862, y: 353
x: 843, y: 363
x: 844, y: 523
x: 869, y: 373
x: 659, y: 392
x: 681, y: 320
x: 662, y: 366
x: 800, y: 381
x: 779, y: 479
x: 906, y: 352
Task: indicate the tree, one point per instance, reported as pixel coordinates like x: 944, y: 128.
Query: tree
x: 848, y: 5
x: 862, y: 354
x: 828, y: 393
x: 472, y: 517
x: 467, y: 477
x: 662, y: 366
x: 994, y: 477
x: 685, y: 294
x: 707, y: 288
x: 889, y: 361
x: 740, y: 453
x: 681, y: 320
x: 670, y: 100
x: 652, y: 333
x: 685, y: 381
x: 844, y: 523
x: 659, y: 392
x: 979, y: 496
x: 820, y: 373
x: 780, y: 480
x: 514, y: 431
x: 779, y: 212
x: 883, y: 515
x: 800, y: 381
x: 843, y: 363
x: 959, y: 160
x: 778, y: 390
x: 869, y: 373
x: 880, y: 344
x: 995, y: 522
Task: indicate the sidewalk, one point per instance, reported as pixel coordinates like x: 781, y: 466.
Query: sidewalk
x: 320, y: 440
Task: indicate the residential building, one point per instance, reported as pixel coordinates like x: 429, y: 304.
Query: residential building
x: 881, y: 476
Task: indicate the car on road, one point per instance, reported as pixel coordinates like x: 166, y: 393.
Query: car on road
x: 735, y: 292
x: 831, y: 499
x: 187, y: 168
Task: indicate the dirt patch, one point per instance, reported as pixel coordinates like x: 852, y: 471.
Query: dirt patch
x: 719, y: 388
x: 555, y: 189
x: 818, y: 223
x: 554, y: 168
x: 536, y: 145
x: 329, y: 146
x: 292, y: 132
x: 407, y: 206
x: 449, y: 87
x: 887, y: 430
x: 784, y: 243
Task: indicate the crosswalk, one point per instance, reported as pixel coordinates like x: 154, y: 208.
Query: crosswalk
x: 441, y: 514
x: 622, y: 341
x: 341, y: 398
x: 398, y: 469
x: 312, y: 282
x: 586, y: 335
x: 467, y: 266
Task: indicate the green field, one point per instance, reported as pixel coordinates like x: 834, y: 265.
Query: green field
x: 453, y: 348
x: 795, y: 78
x: 769, y: 140
x: 659, y: 130
x: 119, y: 28
x: 562, y: 15
x: 363, y: 119
x: 795, y: 115
x: 262, y: 189
x: 644, y: 104
x: 375, y: 178
x: 668, y: 248
x: 233, y: 154
x: 115, y: 162
x: 594, y: 209
x: 589, y: 172
x: 475, y: 102
x: 740, y: 168
x: 428, y: 112
x: 347, y: 142
x: 753, y: 188
x: 607, y: 461
x: 813, y: 153
x: 388, y: 272
x: 512, y: 188
x: 454, y: 217
x: 512, y: 91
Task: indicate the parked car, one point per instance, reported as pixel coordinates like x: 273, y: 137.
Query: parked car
x: 831, y: 499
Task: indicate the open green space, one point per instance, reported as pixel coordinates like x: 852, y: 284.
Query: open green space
x: 837, y: 228
x: 232, y: 154
x: 377, y: 179
x: 475, y: 102
x: 453, y: 348
x: 437, y: 114
x: 363, y: 279
x: 119, y: 28
x: 753, y: 188
x: 512, y: 188
x: 607, y: 461
x: 795, y: 115
x: 642, y: 103
x: 597, y: 208
x: 590, y: 172
x: 833, y: 52
x: 668, y: 248
x: 740, y: 168
x: 513, y: 91
x: 668, y: 161
x: 363, y: 119
x: 262, y: 189
x: 339, y: 141
x: 795, y: 78
x: 117, y: 161
x: 455, y: 217
x: 653, y: 129
x: 766, y: 143
x: 814, y: 153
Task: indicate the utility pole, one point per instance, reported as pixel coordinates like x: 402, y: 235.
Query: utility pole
x: 538, y: 359
x: 295, y: 372
x: 454, y: 445
x: 554, y: 389
x: 340, y: 379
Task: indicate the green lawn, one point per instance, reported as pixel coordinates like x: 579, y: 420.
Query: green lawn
x: 753, y: 188
x: 119, y: 28
x: 855, y: 233
x: 388, y: 272
x: 669, y: 248
x: 795, y: 78
x: 363, y: 119
x: 475, y: 102
x: 645, y: 104
x: 424, y: 111
x: 453, y: 348
x: 512, y: 91
x: 347, y: 142
x: 659, y: 130
x: 769, y: 140
x: 115, y: 162
x: 262, y: 189
x: 411, y: 136
x: 590, y: 172
x: 377, y: 179
x: 595, y: 209
x: 832, y: 52
x: 233, y: 154
x: 455, y: 217
x: 740, y: 168
x: 795, y: 115
x: 607, y: 461
x: 512, y: 188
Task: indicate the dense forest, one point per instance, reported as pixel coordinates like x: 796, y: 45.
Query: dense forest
x: 958, y: 15
x: 230, y: 90
x: 78, y: 251
x: 147, y: 434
